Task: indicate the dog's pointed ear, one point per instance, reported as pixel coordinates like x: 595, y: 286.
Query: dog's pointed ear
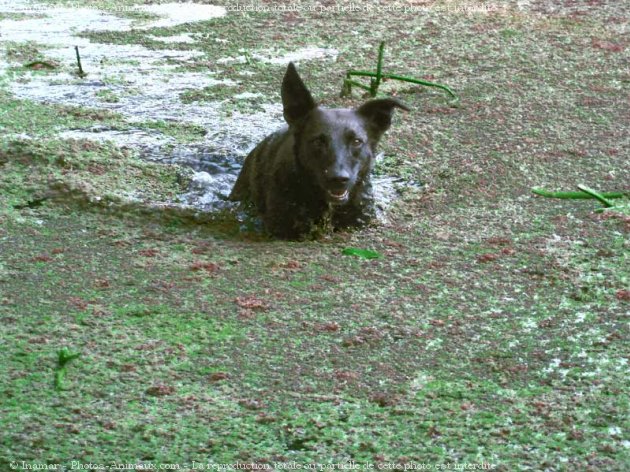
x: 378, y: 113
x: 296, y: 99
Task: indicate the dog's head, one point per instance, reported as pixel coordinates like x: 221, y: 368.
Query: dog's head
x: 335, y: 146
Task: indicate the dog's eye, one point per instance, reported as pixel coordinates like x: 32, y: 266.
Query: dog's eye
x: 356, y: 142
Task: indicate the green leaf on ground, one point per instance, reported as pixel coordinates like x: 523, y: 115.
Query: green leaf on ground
x: 364, y: 253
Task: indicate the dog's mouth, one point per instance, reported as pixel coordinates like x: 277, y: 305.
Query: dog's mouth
x: 337, y: 197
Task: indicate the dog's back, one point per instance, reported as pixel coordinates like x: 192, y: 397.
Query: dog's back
x: 259, y: 166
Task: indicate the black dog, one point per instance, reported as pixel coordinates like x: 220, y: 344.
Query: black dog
x: 316, y: 170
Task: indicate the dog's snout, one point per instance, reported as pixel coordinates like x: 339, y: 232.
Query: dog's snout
x: 338, y: 183
x: 339, y: 177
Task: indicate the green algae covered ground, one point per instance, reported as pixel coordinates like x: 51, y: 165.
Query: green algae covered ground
x: 492, y: 331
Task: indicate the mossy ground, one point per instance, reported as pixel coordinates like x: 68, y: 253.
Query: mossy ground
x: 493, y: 329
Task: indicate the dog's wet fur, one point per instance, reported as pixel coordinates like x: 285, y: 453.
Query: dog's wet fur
x: 316, y: 170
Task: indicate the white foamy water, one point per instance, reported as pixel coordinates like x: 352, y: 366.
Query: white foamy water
x: 146, y: 83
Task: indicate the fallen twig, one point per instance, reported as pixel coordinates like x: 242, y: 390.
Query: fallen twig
x: 576, y: 195
x: 377, y: 77
x: 80, y: 73
x: 64, y: 356
x: 39, y: 65
x: 596, y: 195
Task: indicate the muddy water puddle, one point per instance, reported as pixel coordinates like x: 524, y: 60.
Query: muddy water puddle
x: 144, y: 85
